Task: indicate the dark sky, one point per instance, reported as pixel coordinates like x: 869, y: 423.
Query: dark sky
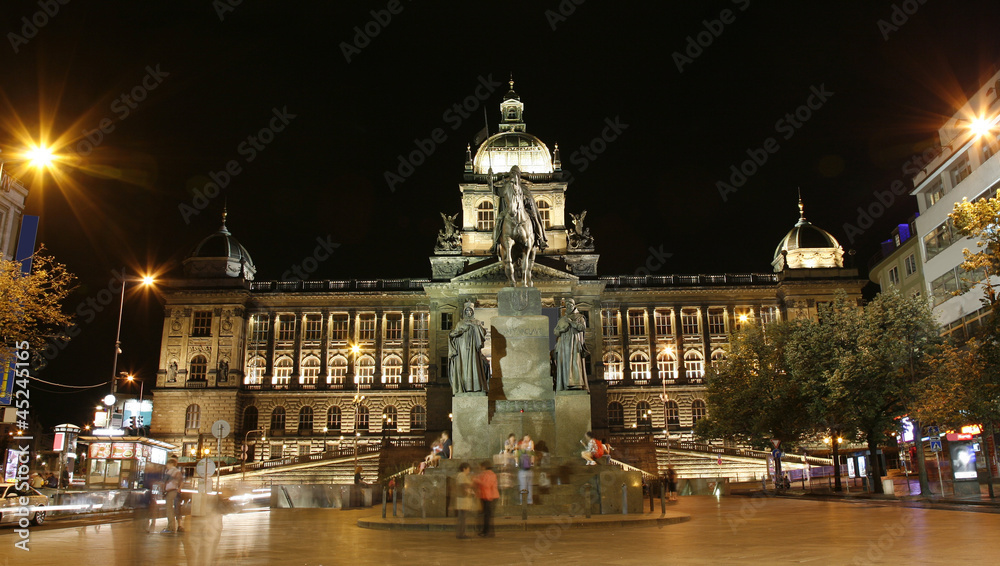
x: 216, y: 81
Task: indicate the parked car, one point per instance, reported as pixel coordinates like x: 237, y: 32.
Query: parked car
x: 12, y: 502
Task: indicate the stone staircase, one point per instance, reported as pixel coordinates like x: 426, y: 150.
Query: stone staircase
x: 321, y: 472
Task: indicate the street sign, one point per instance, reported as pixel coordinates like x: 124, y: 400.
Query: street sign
x: 777, y: 454
x: 205, y: 467
x: 935, y: 445
x: 933, y: 431
x: 220, y: 429
x: 776, y: 442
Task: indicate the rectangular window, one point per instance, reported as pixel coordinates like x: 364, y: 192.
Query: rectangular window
x: 314, y: 327
x: 894, y: 276
x: 485, y: 217
x: 768, y: 315
x: 716, y: 321
x: 960, y: 170
x: 339, y: 325
x: 938, y: 240
x: 935, y: 193
x: 286, y: 327
x: 446, y: 321
x: 911, y: 264
x: 970, y: 279
x: 609, y: 322
x: 664, y: 322
x: 261, y: 324
x: 690, y: 321
x: 636, y: 323
x: 202, y: 323
x: 394, y: 326
x: 421, y: 325
x: 366, y: 327
x: 943, y: 287
x: 988, y: 151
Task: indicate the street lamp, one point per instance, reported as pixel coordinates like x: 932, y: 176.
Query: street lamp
x: 146, y: 281
x: 246, y: 438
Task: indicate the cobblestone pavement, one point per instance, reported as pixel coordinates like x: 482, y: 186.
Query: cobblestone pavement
x: 733, y: 530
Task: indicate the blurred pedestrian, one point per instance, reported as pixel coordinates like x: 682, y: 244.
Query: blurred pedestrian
x: 465, y: 497
x: 525, y: 461
x: 488, y: 492
x: 173, y: 478
x: 672, y: 483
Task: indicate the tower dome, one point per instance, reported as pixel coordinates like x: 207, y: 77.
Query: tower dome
x: 513, y: 145
x: 806, y: 246
x: 220, y: 255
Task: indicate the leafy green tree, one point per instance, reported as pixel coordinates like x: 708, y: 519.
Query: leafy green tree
x: 979, y: 220
x: 752, y: 396
x: 31, y: 305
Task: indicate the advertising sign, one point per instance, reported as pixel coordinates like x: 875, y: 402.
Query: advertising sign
x: 100, y: 450
x: 124, y: 450
x: 963, y: 461
x: 10, y: 466
x: 59, y: 442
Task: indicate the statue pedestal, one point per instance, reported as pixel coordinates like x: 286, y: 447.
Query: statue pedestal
x: 469, y: 422
x: 572, y: 410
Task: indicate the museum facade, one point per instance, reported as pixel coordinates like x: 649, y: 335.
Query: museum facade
x: 313, y: 364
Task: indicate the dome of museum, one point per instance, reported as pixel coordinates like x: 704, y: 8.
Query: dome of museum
x: 807, y: 246
x: 507, y: 149
x: 220, y: 255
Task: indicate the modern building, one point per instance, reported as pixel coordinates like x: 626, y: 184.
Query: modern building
x: 315, y: 363
x: 13, y: 196
x: 966, y: 168
x: 899, y: 265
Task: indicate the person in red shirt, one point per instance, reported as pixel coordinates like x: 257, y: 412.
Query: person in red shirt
x: 486, y: 489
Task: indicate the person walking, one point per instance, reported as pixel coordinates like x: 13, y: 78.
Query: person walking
x: 486, y: 488
x: 173, y: 478
x: 525, y: 461
x: 465, y: 497
x: 672, y: 483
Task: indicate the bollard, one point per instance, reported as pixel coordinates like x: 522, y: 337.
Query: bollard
x: 588, y: 504
x: 524, y: 505
x: 384, y: 500
x: 663, y: 498
x: 394, y: 502
x: 651, y: 503
x: 625, y: 499
x: 423, y: 507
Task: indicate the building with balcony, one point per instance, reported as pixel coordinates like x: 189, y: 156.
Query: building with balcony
x: 312, y: 362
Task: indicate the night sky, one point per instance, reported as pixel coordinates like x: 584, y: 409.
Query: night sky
x: 184, y: 90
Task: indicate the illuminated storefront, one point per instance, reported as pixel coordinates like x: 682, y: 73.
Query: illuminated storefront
x: 124, y: 461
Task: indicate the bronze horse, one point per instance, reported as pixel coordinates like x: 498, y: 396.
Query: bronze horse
x: 517, y: 236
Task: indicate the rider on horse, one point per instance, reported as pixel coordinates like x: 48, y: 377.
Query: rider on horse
x: 529, y: 204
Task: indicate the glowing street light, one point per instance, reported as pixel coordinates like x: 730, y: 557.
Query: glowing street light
x: 979, y: 126
x: 40, y: 156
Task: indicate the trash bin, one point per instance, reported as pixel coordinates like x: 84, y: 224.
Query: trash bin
x: 888, y: 487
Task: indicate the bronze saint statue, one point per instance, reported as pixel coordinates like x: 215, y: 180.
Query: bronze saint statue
x: 518, y: 230
x: 466, y: 362
x: 571, y: 349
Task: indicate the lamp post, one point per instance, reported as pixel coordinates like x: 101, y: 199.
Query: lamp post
x: 246, y: 438
x: 146, y: 280
x: 664, y: 397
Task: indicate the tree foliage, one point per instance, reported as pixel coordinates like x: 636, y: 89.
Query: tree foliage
x: 752, y: 395
x: 31, y: 305
x: 980, y: 220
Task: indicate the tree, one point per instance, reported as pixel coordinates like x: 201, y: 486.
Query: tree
x: 752, y: 396
x: 979, y: 219
x: 31, y: 305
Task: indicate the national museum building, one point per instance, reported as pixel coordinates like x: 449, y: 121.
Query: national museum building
x: 312, y: 363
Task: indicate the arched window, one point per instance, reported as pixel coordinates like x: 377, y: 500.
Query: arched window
x: 255, y: 371
x: 698, y: 410
x: 278, y: 421
x: 418, y: 368
x: 666, y: 364
x: 361, y: 418
x: 306, y: 420
x: 694, y: 364
x: 418, y: 418
x: 718, y: 357
x: 310, y: 371
x: 616, y: 414
x: 338, y: 370
x: 249, y: 419
x: 198, y: 370
x: 639, y: 365
x: 612, y: 366
x: 282, y: 371
x: 364, y: 371
x: 643, y: 414
x: 392, y: 369
x: 544, y: 212
x: 390, y: 418
x: 485, y: 216
x: 192, y: 417
x: 672, y: 413
x: 333, y: 418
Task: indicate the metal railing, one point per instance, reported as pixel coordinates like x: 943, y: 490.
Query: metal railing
x: 631, y: 468
x: 677, y: 280
x: 342, y: 452
x: 341, y: 285
x: 740, y: 452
